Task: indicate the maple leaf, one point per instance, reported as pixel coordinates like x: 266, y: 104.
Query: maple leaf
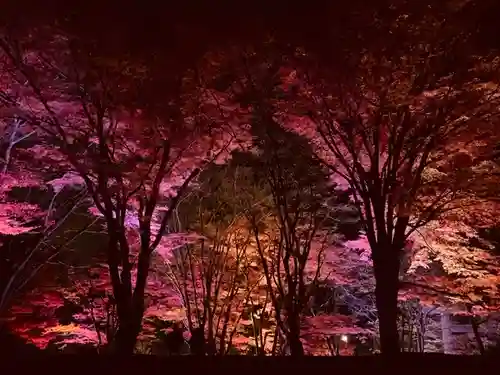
x: 72, y: 333
x: 13, y: 217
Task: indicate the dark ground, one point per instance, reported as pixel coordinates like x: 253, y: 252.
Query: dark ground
x: 93, y: 364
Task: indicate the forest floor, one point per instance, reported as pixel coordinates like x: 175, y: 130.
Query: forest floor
x: 93, y: 364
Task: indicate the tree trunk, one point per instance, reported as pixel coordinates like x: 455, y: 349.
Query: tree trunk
x: 296, y: 348
x: 197, y: 342
x: 126, y: 338
x: 131, y: 310
x: 386, y: 269
x: 130, y: 325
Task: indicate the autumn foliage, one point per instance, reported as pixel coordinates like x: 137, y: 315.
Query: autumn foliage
x: 263, y: 195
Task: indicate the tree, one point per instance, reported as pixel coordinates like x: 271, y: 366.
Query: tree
x: 215, y: 276
x: 256, y: 79
x: 386, y: 110
x: 128, y: 162
x: 35, y: 212
x: 291, y: 236
x: 212, y: 278
x: 385, y: 129
x: 25, y: 255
